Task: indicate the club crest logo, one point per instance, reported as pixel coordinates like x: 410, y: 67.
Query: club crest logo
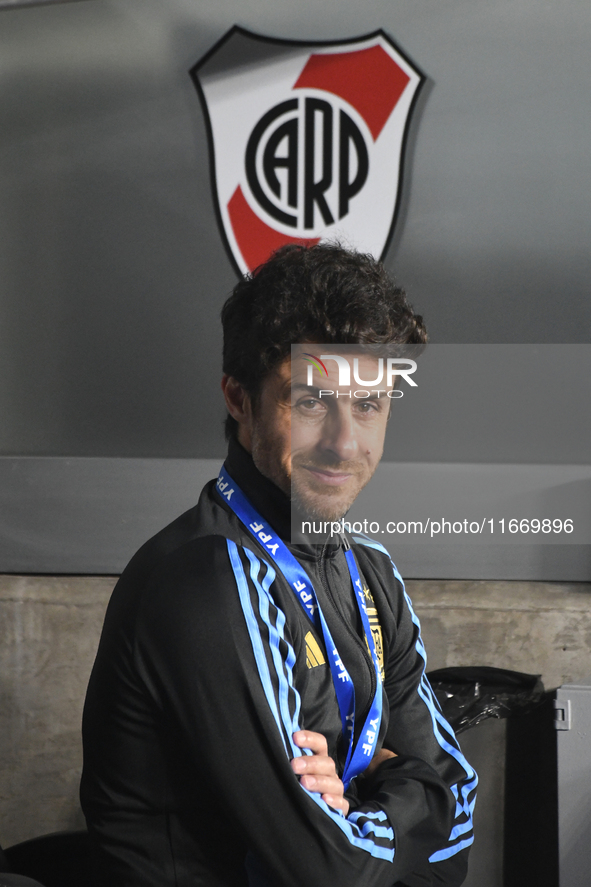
x: 306, y: 140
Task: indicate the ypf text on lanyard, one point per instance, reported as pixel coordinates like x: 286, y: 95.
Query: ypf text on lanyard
x: 358, y: 754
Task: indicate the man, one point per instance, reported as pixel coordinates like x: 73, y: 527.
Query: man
x: 227, y: 650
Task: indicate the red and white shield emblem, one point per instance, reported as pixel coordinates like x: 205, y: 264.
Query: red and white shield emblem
x: 306, y: 140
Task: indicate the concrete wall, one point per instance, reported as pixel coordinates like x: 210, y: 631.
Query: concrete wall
x: 49, y: 629
x: 540, y: 628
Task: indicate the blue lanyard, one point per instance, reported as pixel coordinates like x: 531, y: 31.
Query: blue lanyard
x: 360, y: 754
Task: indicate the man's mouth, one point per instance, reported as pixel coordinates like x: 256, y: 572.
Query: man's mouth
x: 332, y: 477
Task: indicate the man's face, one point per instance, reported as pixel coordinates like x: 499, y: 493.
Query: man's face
x: 322, y: 450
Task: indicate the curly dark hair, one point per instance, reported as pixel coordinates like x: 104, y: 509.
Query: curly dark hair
x: 322, y: 293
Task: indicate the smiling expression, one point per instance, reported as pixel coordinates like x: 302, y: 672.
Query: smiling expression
x: 320, y: 449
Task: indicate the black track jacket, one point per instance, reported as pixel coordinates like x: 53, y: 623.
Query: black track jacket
x: 205, y: 669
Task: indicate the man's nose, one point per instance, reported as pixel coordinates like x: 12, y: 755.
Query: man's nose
x: 340, y: 435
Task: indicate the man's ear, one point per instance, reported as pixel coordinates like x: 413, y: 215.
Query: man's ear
x: 237, y: 399
x: 239, y: 406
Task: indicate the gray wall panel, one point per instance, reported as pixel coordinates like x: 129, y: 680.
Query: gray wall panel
x: 113, y: 270
x: 85, y: 515
x: 90, y: 515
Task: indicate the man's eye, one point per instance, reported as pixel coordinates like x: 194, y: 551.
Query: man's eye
x: 310, y: 406
x: 310, y: 403
x: 367, y: 406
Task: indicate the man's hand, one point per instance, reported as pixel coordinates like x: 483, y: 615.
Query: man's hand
x: 318, y: 772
